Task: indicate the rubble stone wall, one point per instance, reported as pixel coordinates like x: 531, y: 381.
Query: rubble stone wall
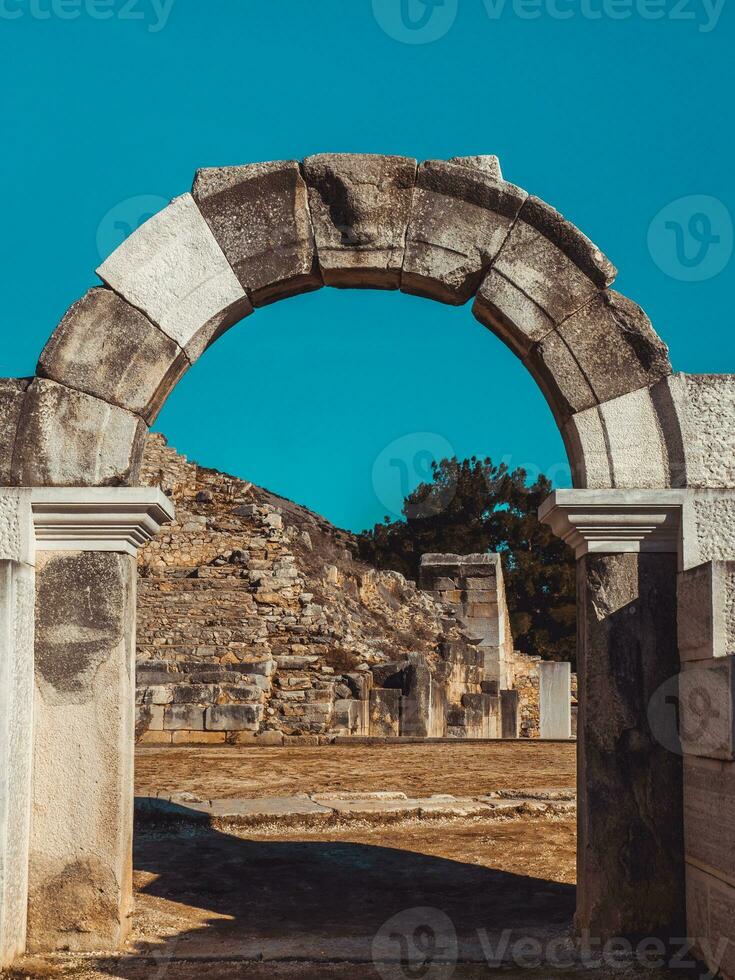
x: 256, y: 621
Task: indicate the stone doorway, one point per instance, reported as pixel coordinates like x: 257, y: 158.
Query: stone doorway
x: 651, y: 519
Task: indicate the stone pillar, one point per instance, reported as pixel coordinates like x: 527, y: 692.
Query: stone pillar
x: 510, y: 720
x: 706, y: 617
x: 555, y: 700
x: 80, y: 870
x: 630, y: 823
x: 16, y: 715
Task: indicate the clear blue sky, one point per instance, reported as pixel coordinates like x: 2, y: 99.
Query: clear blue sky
x: 338, y: 399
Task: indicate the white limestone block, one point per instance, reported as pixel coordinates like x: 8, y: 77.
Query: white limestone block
x: 555, y: 697
x: 17, y: 596
x: 173, y: 270
x: 638, y: 457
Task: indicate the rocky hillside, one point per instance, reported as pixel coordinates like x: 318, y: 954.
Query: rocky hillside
x: 255, y: 617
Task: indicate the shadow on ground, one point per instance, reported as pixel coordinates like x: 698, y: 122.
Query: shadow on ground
x: 214, y: 905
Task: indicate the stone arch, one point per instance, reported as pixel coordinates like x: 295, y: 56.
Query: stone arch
x: 246, y: 236
x: 646, y: 547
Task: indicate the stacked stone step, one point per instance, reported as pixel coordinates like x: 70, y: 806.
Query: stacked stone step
x: 706, y: 697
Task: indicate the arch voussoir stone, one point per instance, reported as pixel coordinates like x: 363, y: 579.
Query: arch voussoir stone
x: 360, y: 206
x: 107, y: 348
x: 461, y: 216
x: 67, y: 438
x: 173, y: 270
x: 259, y: 214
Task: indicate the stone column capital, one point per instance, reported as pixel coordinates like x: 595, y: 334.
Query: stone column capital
x: 119, y: 519
x: 616, y: 521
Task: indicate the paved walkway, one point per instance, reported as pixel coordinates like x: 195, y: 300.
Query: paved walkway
x: 328, y: 809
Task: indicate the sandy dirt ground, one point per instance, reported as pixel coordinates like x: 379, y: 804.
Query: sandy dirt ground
x: 343, y: 904
x: 347, y: 902
x: 417, y: 770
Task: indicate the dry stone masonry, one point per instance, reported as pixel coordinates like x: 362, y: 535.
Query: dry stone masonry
x: 255, y: 621
x: 652, y: 455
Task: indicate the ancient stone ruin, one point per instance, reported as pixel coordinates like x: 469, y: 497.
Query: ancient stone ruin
x: 651, y: 521
x: 256, y: 622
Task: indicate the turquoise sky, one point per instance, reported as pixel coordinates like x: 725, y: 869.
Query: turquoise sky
x: 618, y: 112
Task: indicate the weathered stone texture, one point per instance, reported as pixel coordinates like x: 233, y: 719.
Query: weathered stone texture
x: 706, y: 611
x: 488, y: 163
x: 713, y: 516
x: 618, y: 443
x: 16, y: 716
x: 555, y: 700
x: 68, y: 438
x: 259, y: 215
x: 615, y: 346
x: 80, y: 894
x: 707, y: 708
x: 709, y: 815
x: 630, y: 848
x: 360, y: 206
x: 459, y: 220
x: 385, y: 712
x: 173, y: 270
x: 107, y: 348
x: 12, y: 393
x: 552, y: 262
x: 701, y: 418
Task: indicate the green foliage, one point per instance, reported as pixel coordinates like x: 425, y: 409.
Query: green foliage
x: 475, y: 506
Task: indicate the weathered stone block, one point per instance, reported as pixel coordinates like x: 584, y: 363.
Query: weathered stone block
x: 68, y: 438
x: 615, y: 346
x: 173, y: 270
x: 233, y: 717
x: 552, y: 262
x: 555, y: 695
x: 709, y: 814
x: 511, y: 315
x: 509, y: 714
x: 384, y: 711
x: 697, y: 413
x: 460, y: 218
x: 189, y: 717
x: 706, y: 708
x: 17, y: 594
x: 259, y: 215
x: 631, y: 814
x: 488, y: 163
x: 711, y: 921
x: 12, y: 392
x: 107, y: 348
x: 80, y: 877
x: 560, y: 377
x: 360, y: 206
x: 618, y: 443
x: 706, y: 611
